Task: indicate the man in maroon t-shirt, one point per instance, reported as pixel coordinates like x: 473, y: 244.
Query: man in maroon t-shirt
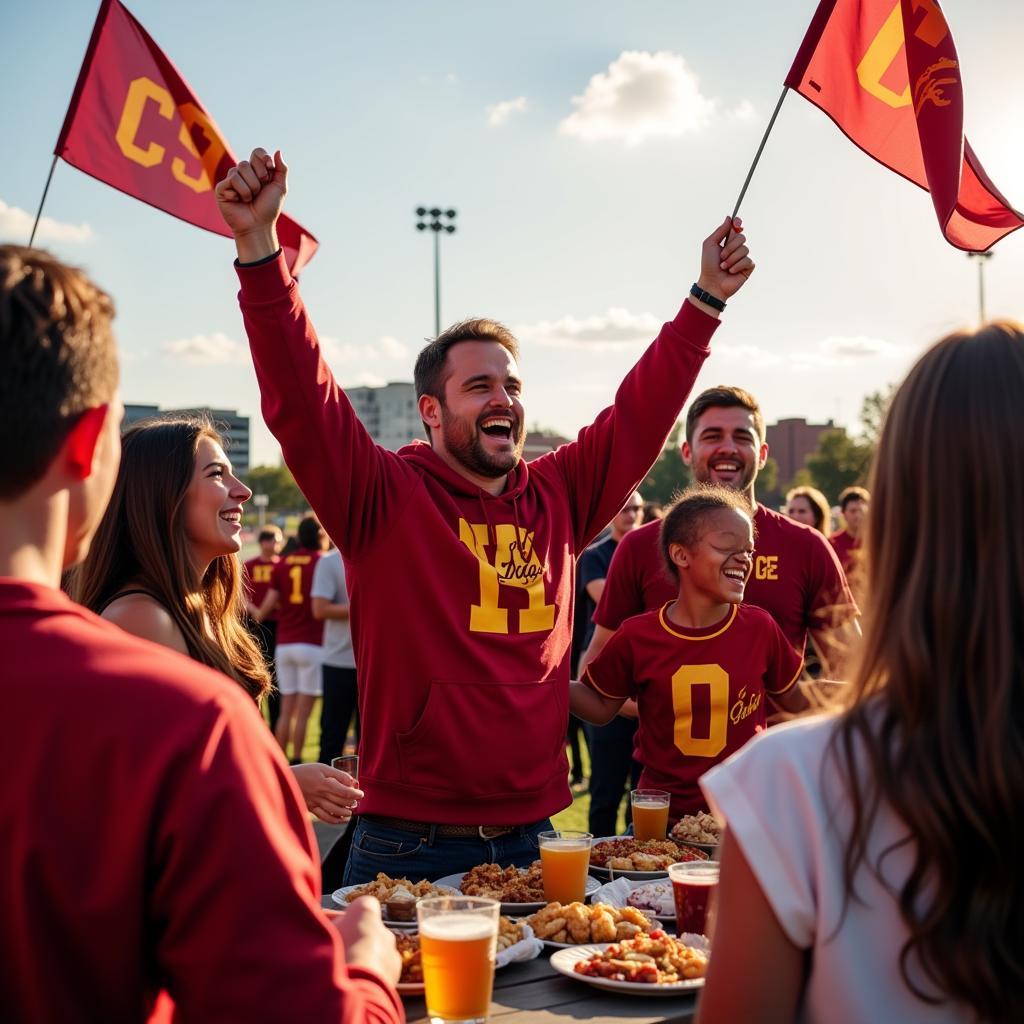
x: 853, y: 503
x: 300, y: 636
x: 796, y: 577
x: 126, y: 869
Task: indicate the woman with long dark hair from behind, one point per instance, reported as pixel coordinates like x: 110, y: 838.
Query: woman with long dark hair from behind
x: 164, y: 565
x: 871, y: 864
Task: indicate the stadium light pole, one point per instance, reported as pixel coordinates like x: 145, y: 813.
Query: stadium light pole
x: 430, y: 219
x: 982, y: 258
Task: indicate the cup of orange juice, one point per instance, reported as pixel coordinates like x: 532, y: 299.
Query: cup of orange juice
x: 458, y: 939
x: 650, y: 813
x: 565, y: 861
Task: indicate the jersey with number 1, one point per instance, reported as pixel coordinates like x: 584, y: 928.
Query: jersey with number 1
x: 700, y: 692
x: 293, y: 580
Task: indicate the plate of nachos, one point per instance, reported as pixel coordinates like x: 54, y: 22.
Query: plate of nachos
x: 652, y: 964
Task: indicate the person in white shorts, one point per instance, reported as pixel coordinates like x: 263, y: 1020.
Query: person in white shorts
x: 299, y: 636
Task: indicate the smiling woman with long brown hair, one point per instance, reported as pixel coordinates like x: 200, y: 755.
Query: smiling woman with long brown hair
x: 164, y: 565
x: 871, y: 867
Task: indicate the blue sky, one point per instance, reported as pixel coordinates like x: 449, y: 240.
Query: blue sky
x: 588, y: 147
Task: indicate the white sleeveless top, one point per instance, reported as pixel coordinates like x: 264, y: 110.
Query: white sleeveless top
x: 776, y: 794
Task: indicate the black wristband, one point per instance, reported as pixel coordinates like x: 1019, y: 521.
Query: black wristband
x: 707, y: 298
x: 265, y: 259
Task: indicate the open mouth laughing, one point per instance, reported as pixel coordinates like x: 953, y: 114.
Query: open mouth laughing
x: 501, y: 427
x: 232, y: 516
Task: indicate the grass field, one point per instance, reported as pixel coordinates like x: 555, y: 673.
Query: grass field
x: 573, y: 817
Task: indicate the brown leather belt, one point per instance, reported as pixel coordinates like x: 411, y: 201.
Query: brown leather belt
x: 454, y: 831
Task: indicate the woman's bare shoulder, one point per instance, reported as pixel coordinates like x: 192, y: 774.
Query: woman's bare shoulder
x: 145, y: 617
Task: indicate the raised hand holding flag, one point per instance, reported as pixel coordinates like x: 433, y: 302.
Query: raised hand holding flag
x: 134, y: 123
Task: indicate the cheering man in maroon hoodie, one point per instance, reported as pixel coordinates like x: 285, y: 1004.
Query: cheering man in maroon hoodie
x: 461, y: 556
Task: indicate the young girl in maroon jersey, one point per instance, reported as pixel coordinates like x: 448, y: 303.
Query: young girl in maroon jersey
x: 164, y: 566
x: 702, y: 667
x: 871, y: 866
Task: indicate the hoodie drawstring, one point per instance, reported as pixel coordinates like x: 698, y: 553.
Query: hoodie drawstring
x: 492, y: 536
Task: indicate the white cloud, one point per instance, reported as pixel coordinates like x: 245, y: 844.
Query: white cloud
x: 346, y: 352
x: 16, y: 226
x: 618, y: 328
x: 845, y: 351
x: 743, y: 111
x: 392, y: 348
x: 642, y: 95
x: 858, y: 347
x: 499, y: 113
x: 750, y: 355
x: 831, y: 352
x: 207, y: 350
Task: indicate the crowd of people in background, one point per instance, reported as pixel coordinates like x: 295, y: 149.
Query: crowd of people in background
x: 870, y: 856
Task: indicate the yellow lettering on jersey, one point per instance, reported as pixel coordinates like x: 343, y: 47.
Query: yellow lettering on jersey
x: 717, y: 680
x: 766, y: 567
x: 262, y: 573
x: 296, y: 577
x: 886, y: 45
x: 509, y: 570
x: 744, y: 706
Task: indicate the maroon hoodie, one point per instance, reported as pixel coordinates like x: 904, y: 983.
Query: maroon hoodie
x: 461, y: 601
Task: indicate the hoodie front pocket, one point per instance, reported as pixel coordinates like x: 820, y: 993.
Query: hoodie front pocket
x: 485, y: 739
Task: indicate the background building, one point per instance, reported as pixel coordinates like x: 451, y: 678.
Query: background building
x: 391, y: 416
x: 234, y: 427
x: 790, y: 442
x: 540, y: 442
x: 389, y: 413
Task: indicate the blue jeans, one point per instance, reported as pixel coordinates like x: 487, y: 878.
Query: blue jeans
x: 613, y: 772
x: 403, y: 854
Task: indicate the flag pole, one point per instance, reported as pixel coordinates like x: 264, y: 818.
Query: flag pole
x: 760, y: 150
x: 73, y: 106
x: 39, y: 213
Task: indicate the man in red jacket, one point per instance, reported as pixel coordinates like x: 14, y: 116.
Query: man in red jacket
x: 157, y: 861
x: 461, y: 555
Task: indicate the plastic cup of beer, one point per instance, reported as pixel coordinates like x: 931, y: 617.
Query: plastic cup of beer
x: 458, y: 938
x: 650, y: 813
x: 695, y: 890
x: 565, y: 861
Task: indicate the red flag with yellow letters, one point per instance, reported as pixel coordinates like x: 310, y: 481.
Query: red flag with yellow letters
x: 134, y: 123
x: 887, y: 73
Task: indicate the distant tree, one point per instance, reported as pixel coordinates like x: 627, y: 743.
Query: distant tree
x: 873, y: 411
x: 768, y: 491
x: 840, y: 461
x: 668, y: 474
x: 278, y: 484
